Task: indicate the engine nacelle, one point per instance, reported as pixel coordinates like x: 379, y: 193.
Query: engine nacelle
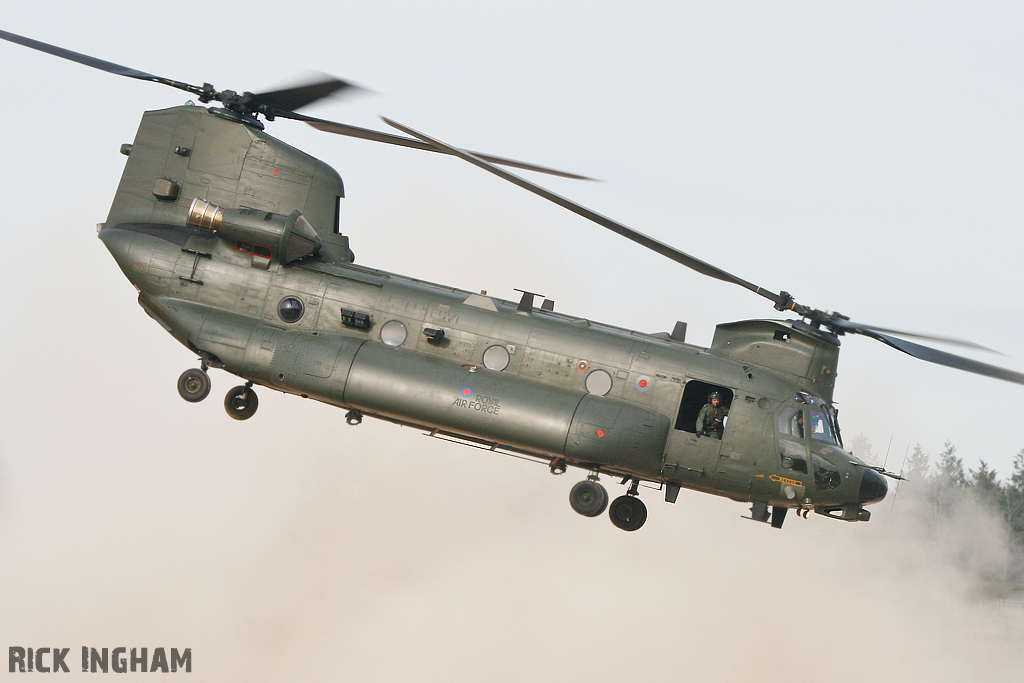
x: 260, y: 233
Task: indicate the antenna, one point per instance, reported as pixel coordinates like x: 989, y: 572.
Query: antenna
x: 902, y: 465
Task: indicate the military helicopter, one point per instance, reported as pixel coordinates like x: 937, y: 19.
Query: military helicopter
x: 233, y: 240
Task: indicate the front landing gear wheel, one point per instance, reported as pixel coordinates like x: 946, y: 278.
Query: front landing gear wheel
x: 588, y: 498
x: 194, y: 385
x: 628, y: 513
x: 241, y: 403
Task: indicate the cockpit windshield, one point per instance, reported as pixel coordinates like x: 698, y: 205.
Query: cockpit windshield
x: 822, y: 424
x: 821, y: 430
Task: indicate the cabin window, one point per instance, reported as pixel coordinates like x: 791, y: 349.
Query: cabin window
x: 496, y: 358
x: 393, y: 333
x: 599, y: 382
x: 695, y: 397
x: 291, y: 309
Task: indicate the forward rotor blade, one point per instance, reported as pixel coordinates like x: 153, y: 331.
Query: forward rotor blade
x: 290, y: 99
x: 659, y: 247
x: 860, y: 328
x: 100, y: 64
x: 377, y: 136
x: 948, y: 359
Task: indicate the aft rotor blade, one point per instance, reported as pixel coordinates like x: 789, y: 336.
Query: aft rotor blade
x: 860, y: 328
x: 660, y: 247
x: 300, y: 96
x: 948, y: 359
x: 377, y: 136
x: 103, y: 65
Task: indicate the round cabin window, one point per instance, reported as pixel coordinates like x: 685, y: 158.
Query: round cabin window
x: 393, y: 333
x: 291, y: 309
x: 599, y: 382
x: 496, y: 358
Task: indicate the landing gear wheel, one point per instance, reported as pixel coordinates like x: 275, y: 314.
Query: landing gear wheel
x: 628, y: 513
x: 588, y: 498
x: 241, y: 403
x: 194, y: 385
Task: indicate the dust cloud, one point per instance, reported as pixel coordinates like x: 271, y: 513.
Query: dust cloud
x: 295, y: 548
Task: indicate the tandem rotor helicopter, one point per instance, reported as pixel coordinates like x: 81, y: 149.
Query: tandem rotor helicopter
x: 233, y: 240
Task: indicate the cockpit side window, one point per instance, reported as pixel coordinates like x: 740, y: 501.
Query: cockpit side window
x: 794, y: 456
x: 791, y: 422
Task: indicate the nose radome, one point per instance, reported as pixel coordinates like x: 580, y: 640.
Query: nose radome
x: 872, y: 487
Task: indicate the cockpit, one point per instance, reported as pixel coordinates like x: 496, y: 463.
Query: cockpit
x: 805, y: 423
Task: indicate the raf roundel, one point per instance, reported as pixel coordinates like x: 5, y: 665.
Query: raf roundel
x: 467, y: 391
x: 643, y: 383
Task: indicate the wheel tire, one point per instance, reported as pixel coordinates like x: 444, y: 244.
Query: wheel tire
x: 588, y: 498
x: 241, y: 403
x: 628, y: 513
x: 194, y: 385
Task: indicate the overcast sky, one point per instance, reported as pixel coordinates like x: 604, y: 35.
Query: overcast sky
x: 866, y: 157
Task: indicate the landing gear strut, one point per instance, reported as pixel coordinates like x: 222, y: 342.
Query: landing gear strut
x: 588, y: 497
x: 241, y: 402
x: 194, y: 385
x: 628, y: 512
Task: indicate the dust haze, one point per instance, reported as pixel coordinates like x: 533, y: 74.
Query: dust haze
x: 295, y: 548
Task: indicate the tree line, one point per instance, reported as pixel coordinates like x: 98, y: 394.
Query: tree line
x: 945, y: 495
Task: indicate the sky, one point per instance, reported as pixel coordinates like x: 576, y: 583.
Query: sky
x: 866, y: 158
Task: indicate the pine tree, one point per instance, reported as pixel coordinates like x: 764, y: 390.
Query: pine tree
x: 860, y: 446
x: 917, y: 467
x: 951, y: 468
x: 1014, y: 496
x: 985, y: 485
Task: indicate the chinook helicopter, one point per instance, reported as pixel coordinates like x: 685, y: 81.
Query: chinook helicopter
x: 233, y: 240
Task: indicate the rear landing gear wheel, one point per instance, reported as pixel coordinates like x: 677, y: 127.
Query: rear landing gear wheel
x: 194, y: 385
x: 588, y: 498
x: 241, y: 402
x: 628, y: 513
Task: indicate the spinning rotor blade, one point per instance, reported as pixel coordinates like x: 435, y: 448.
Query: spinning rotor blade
x: 100, y: 64
x: 272, y: 104
x: 782, y: 301
x: 948, y: 359
x: 377, y: 136
x: 279, y: 102
x: 290, y: 99
x: 860, y: 328
x: 616, y: 227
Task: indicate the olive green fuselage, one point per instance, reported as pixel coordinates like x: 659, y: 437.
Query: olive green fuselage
x: 505, y: 374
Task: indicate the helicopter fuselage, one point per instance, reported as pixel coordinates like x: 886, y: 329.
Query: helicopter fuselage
x: 506, y: 375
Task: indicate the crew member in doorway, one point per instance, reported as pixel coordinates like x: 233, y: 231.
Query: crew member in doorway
x: 711, y: 418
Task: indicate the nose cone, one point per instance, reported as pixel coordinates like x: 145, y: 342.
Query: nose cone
x: 872, y: 487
